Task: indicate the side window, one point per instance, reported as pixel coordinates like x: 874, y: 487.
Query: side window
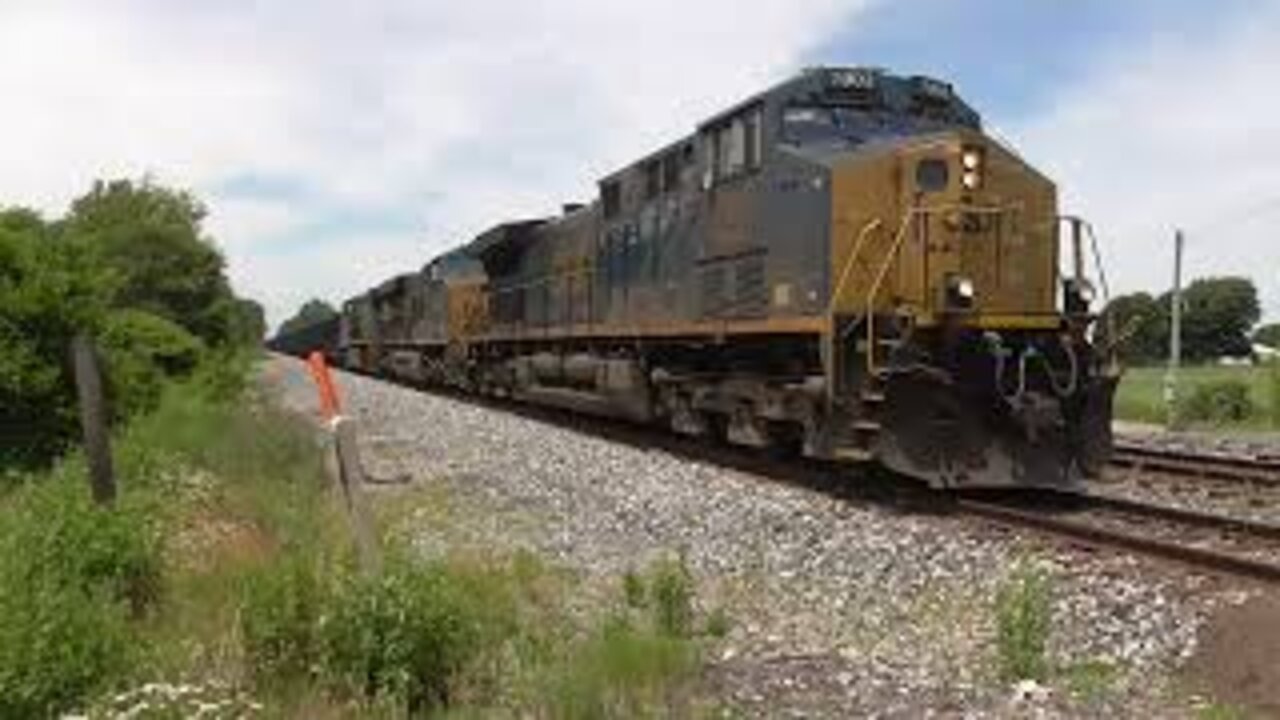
x: 737, y: 146
x: 733, y: 148
x: 671, y: 172
x: 611, y: 196
x: 652, y: 179
x: 755, y: 145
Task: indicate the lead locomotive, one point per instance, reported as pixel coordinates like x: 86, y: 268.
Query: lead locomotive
x: 844, y: 265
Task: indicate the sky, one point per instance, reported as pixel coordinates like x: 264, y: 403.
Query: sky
x: 339, y: 142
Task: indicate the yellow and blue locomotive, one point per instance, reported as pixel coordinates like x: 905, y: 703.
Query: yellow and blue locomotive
x: 845, y: 265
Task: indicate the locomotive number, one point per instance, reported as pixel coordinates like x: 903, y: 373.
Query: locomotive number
x: 856, y: 79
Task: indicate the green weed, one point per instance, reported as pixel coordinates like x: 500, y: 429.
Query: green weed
x: 279, y: 619
x: 1023, y: 619
x: 671, y: 594
x: 622, y: 671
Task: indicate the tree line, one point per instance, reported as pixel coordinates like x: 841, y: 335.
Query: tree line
x: 1218, y: 319
x: 131, y: 265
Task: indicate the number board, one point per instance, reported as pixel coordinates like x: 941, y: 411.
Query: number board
x: 856, y: 79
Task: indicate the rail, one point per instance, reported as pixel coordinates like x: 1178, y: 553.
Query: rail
x: 1238, y: 468
x: 1184, y: 542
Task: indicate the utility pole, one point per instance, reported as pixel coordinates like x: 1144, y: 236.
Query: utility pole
x: 93, y: 419
x: 1175, y: 336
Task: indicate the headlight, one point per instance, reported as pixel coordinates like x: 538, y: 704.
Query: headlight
x: 960, y: 293
x: 971, y: 159
x: 970, y: 179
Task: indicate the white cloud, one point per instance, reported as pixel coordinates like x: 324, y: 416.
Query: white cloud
x: 457, y: 113
x: 1176, y: 131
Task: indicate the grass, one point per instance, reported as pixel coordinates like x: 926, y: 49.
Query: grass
x: 1140, y: 397
x: 226, y: 572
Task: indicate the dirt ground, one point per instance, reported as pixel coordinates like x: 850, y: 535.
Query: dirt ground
x: 1238, y: 661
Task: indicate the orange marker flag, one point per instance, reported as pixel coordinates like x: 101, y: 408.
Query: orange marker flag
x: 329, y: 406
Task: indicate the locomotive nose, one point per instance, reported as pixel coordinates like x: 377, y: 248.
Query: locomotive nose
x: 977, y: 257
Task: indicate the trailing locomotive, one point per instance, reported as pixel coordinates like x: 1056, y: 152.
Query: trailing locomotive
x: 844, y: 265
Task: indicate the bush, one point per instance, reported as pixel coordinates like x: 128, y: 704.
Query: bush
x: 1023, y: 618
x: 406, y: 633
x: 71, y: 577
x: 59, y: 645
x: 1220, y: 401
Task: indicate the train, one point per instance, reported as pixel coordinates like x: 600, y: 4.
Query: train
x: 844, y: 266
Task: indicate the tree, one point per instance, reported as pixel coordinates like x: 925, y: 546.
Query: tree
x: 47, y: 294
x: 248, y: 322
x: 151, y: 241
x: 130, y: 266
x: 1217, y: 316
x: 1141, y: 324
x: 312, y: 312
x: 1268, y: 335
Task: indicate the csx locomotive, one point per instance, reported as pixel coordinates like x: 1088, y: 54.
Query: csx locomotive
x: 844, y: 265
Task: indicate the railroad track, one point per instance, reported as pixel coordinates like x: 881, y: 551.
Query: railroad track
x: 1210, y: 542
x: 1206, y: 541
x: 1244, y: 468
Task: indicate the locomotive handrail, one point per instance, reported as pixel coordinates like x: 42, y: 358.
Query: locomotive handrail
x: 879, y: 280
x: 863, y: 234
x: 858, y: 244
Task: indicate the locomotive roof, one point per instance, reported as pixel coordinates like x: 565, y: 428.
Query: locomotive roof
x: 852, y: 85
x: 391, y: 286
x: 499, y: 244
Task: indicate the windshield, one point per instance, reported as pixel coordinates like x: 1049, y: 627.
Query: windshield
x: 819, y: 124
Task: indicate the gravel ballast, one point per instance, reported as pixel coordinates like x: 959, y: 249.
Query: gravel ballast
x: 837, y: 608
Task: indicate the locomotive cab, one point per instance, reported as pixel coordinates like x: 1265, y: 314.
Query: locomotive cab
x: 945, y: 308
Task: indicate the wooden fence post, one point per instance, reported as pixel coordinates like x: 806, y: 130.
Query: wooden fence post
x: 93, y: 419
x: 351, y: 475
x: 350, y: 471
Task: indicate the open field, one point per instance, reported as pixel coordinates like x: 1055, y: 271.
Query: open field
x: 1140, y: 396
